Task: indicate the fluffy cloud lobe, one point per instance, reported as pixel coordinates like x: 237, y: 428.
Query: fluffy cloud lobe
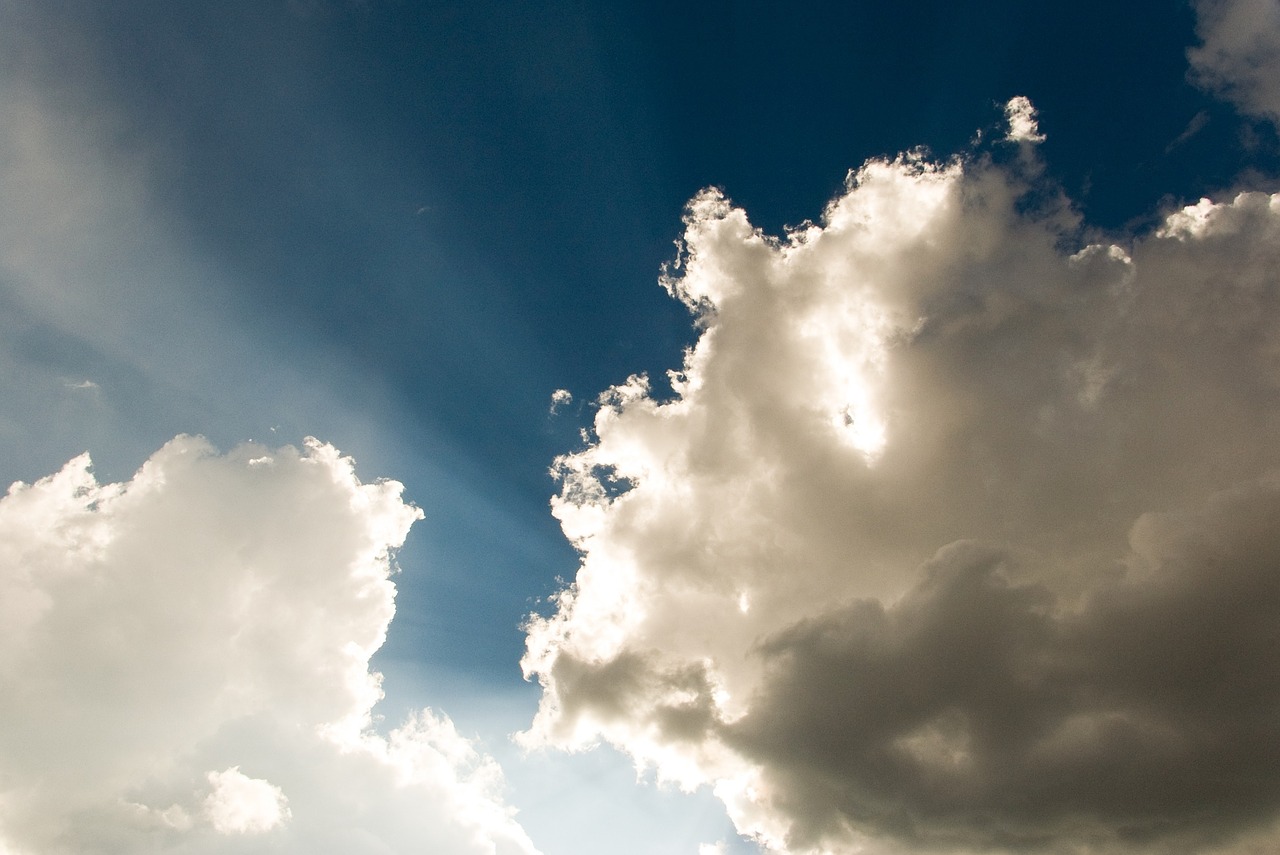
x: 184, y: 661
x: 958, y: 531
x: 242, y: 805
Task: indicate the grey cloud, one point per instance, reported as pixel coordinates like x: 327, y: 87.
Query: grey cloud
x: 1240, y: 54
x: 982, y: 711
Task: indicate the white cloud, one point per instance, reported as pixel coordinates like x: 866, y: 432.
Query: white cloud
x: 1240, y: 54
x: 560, y: 398
x: 184, y: 667
x: 998, y: 510
x: 1023, y: 126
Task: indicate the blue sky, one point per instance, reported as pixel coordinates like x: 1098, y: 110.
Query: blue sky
x: 400, y: 227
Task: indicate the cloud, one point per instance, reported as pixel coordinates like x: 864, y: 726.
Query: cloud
x: 1240, y: 54
x: 184, y: 663
x: 560, y: 398
x: 1194, y: 126
x: 1021, y: 116
x: 958, y: 532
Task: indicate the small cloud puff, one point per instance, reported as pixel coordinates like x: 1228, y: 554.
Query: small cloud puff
x: 1021, y: 115
x: 560, y: 398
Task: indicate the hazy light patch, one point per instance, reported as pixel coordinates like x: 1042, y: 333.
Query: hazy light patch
x: 109, y: 290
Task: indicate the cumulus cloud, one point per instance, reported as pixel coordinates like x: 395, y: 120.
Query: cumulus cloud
x: 957, y: 533
x: 184, y: 667
x: 1240, y: 54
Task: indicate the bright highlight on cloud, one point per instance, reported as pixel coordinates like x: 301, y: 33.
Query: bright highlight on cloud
x: 242, y: 805
x: 184, y: 667
x: 959, y: 531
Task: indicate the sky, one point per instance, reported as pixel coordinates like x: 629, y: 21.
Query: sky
x: 566, y: 427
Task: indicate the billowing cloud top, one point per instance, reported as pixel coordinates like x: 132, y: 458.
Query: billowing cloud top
x: 959, y: 532
x: 184, y: 667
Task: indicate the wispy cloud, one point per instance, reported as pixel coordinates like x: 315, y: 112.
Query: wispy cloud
x: 560, y: 398
x: 1194, y: 126
x: 1240, y: 54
